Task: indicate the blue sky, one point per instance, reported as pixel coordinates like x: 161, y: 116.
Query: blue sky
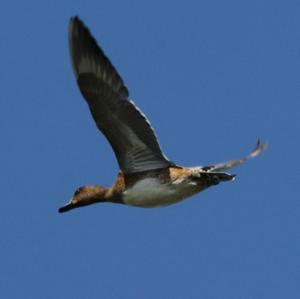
x: 212, y: 77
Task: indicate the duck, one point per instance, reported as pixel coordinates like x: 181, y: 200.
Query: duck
x: 147, y: 178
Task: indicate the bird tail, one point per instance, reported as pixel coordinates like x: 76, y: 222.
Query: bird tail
x: 214, y: 178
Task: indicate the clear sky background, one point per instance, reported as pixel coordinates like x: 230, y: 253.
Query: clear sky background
x: 212, y: 77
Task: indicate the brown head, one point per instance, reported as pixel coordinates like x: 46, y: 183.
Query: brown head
x: 84, y: 196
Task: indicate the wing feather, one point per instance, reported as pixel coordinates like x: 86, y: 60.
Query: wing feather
x: 123, y: 124
x: 259, y: 148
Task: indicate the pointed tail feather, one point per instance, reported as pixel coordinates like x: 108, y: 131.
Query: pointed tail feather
x: 213, y: 178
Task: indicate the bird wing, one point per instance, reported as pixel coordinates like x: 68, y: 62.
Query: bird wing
x: 259, y: 148
x: 123, y: 124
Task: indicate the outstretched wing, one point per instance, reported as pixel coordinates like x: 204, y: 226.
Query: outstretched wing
x: 260, y: 147
x: 123, y: 124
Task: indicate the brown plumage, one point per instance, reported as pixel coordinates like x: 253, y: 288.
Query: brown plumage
x: 147, y: 177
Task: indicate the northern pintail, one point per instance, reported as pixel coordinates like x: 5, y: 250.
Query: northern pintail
x: 147, y: 178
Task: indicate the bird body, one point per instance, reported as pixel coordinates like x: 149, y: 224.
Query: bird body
x: 147, y: 178
x: 169, y: 186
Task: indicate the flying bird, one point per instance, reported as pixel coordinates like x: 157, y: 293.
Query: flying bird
x: 147, y: 178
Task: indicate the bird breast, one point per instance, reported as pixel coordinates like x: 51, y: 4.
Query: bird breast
x: 151, y: 192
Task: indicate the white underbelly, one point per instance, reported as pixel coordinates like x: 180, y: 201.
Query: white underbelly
x: 151, y: 193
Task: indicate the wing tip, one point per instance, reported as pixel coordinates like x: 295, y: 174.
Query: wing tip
x: 75, y: 18
x: 259, y: 148
x: 75, y: 24
x: 73, y: 21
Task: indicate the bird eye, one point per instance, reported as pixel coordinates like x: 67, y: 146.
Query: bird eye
x: 78, y: 190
